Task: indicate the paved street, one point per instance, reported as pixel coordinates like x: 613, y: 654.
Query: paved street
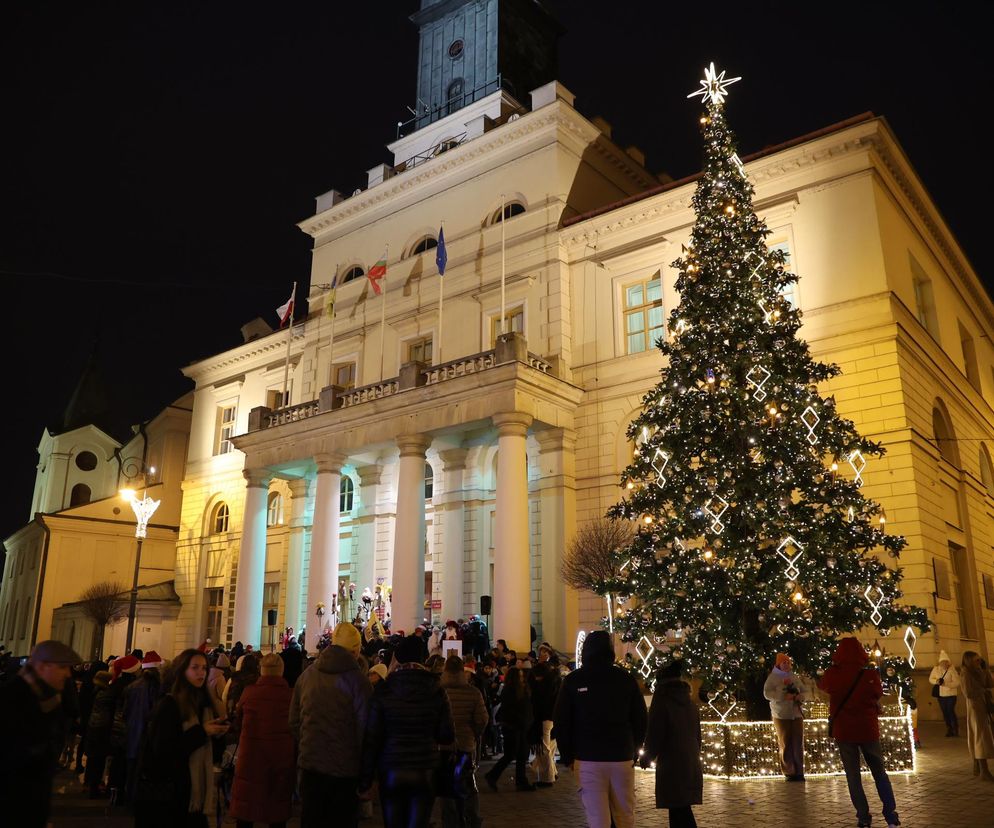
x: 943, y: 794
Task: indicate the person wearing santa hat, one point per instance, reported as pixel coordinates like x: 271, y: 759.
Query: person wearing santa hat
x: 140, y: 698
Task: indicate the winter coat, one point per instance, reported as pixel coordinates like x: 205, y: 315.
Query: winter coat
x: 950, y: 680
x: 977, y: 683
x: 265, y: 773
x: 293, y: 663
x: 600, y: 715
x: 544, y: 681
x: 101, y: 720
x: 216, y: 682
x: 409, y: 717
x: 515, y: 711
x: 469, y: 711
x: 139, y: 701
x: 236, y: 686
x: 673, y: 739
x: 163, y: 786
x: 119, y: 727
x: 32, y: 723
x: 328, y: 714
x: 774, y: 690
x: 857, y: 720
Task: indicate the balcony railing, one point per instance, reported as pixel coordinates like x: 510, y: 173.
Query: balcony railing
x: 366, y: 393
x: 291, y: 414
x: 459, y: 367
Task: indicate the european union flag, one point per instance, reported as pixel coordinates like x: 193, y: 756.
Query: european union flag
x: 441, y: 257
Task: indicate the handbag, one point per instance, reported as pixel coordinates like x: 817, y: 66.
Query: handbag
x: 831, y: 719
x: 935, y: 687
x: 453, y: 774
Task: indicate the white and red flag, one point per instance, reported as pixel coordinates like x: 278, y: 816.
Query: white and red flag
x: 285, y: 311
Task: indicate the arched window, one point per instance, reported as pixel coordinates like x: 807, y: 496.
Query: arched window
x: 346, y: 494
x: 423, y: 245
x: 79, y: 495
x: 353, y: 273
x: 986, y: 470
x: 219, y: 519
x: 429, y: 482
x: 945, y: 440
x: 274, y: 515
x: 511, y: 209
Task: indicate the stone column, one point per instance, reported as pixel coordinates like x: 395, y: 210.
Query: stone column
x: 322, y: 578
x: 557, y: 514
x: 453, y: 530
x: 408, y: 577
x: 369, y: 483
x: 301, y: 510
x: 252, y: 559
x: 512, y: 579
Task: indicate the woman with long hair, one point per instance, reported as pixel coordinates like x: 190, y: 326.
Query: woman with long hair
x: 515, y: 718
x: 976, y: 682
x: 175, y: 785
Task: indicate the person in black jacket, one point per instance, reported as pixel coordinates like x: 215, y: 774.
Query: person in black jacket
x: 673, y: 740
x: 175, y: 770
x: 293, y: 661
x: 515, y: 716
x: 599, y: 723
x: 409, y: 717
x: 32, y: 721
x: 544, y: 681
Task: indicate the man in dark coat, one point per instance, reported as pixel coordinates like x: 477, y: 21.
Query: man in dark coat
x: 33, y: 726
x: 599, y: 723
x: 673, y: 740
x: 293, y: 661
x: 545, y: 681
x: 854, y: 689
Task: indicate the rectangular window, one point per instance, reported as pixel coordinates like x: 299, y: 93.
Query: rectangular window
x: 343, y: 375
x: 962, y: 584
x: 970, y: 367
x: 940, y: 573
x: 789, y: 292
x: 213, y: 608
x: 276, y: 399
x: 924, y: 299
x: 419, y: 350
x: 989, y: 591
x: 225, y: 429
x: 514, y: 322
x: 643, y: 314
x: 270, y: 601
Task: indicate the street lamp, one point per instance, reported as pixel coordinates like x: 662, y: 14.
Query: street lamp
x: 143, y: 509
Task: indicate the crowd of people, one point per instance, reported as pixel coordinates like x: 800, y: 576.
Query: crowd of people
x: 393, y: 718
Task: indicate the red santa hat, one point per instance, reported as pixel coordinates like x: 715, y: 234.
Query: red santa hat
x: 152, y: 659
x: 125, y: 664
x: 204, y: 645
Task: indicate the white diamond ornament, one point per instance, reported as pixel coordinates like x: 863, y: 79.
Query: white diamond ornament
x: 757, y: 378
x: 910, y: 639
x: 783, y: 550
x: 811, y: 419
x: 715, y: 512
x: 876, y: 604
x: 659, y: 462
x: 723, y: 715
x: 858, y: 463
x: 645, y: 649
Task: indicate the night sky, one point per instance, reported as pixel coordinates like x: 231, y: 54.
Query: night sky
x: 156, y: 157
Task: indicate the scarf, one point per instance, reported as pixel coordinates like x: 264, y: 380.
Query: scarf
x: 201, y: 770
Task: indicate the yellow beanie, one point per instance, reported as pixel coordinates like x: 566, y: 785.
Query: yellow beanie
x: 347, y: 637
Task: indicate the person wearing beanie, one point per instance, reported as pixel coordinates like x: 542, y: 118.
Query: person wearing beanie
x: 377, y: 673
x: 673, y: 741
x: 944, y: 679
x: 409, y: 717
x: 293, y: 660
x: 461, y: 804
x: 32, y: 721
x: 265, y: 773
x: 785, y: 691
x: 598, y: 724
x: 140, y: 698
x: 327, y: 718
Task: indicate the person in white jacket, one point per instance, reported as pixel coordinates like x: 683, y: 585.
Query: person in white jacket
x: 946, y: 677
x: 785, y: 692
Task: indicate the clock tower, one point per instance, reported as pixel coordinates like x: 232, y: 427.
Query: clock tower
x: 470, y: 49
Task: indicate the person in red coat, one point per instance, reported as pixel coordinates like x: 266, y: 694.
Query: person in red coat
x: 265, y: 770
x: 854, y: 689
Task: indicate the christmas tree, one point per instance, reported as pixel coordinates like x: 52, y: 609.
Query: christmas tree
x: 753, y: 535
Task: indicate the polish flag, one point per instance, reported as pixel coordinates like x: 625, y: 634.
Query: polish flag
x: 376, y: 272
x: 285, y: 311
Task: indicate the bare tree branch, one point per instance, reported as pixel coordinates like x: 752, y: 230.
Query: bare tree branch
x: 592, y: 557
x: 103, y: 603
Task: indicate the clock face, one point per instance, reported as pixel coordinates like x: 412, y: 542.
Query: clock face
x: 455, y: 49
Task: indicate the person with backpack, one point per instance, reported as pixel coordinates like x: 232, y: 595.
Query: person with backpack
x: 854, y: 690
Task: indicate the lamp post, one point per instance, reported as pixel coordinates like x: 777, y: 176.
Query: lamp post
x: 143, y: 509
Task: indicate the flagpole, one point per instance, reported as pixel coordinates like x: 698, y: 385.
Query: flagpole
x: 441, y: 279
x: 502, y: 262
x: 331, y: 343
x: 289, y: 336
x: 383, y: 315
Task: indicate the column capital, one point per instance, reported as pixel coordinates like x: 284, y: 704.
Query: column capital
x: 512, y: 423
x: 257, y: 478
x: 301, y: 487
x: 453, y: 459
x: 329, y: 463
x: 555, y: 439
x: 370, y: 475
x: 413, y: 445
